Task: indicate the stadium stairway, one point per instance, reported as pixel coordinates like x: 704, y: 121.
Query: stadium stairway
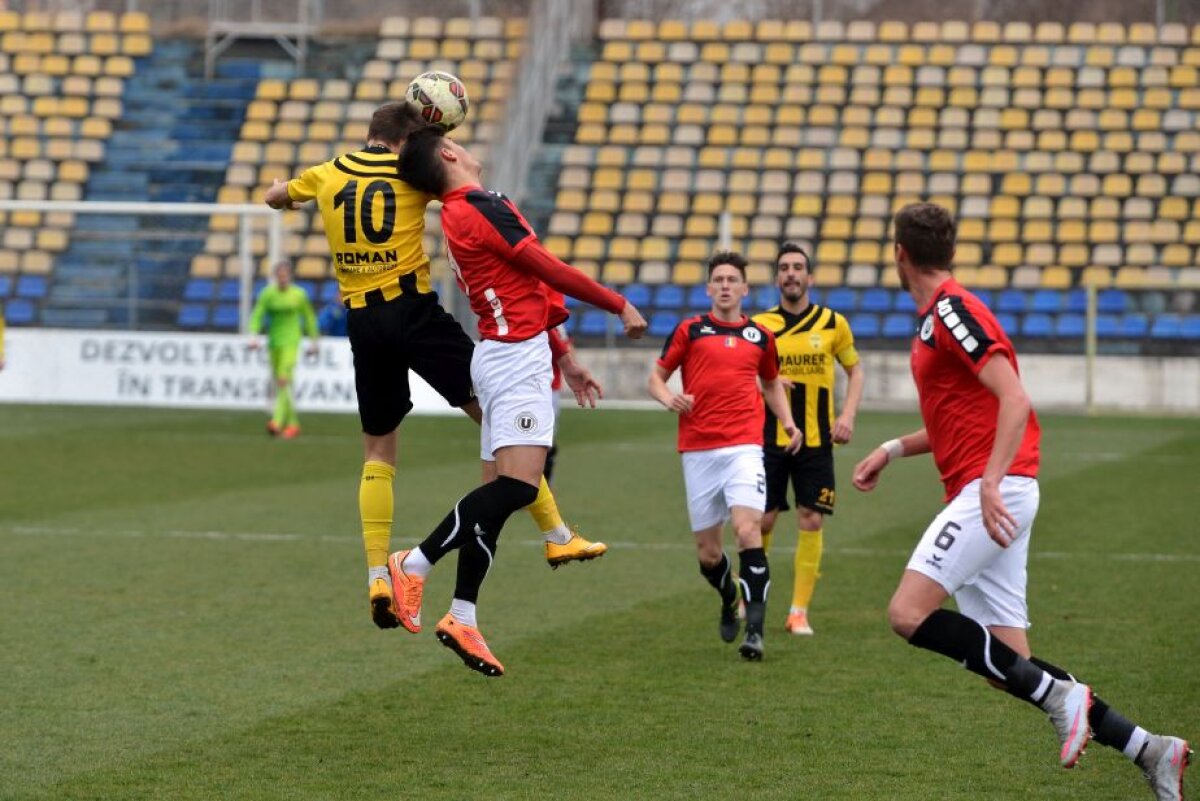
x: 172, y: 144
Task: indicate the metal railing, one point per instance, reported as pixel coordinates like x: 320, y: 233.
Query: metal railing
x: 246, y: 213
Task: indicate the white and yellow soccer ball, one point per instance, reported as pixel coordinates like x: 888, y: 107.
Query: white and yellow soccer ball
x: 441, y: 98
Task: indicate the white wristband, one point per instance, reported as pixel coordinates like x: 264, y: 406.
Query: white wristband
x: 894, y: 449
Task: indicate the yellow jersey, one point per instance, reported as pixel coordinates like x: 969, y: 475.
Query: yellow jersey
x: 374, y: 222
x: 807, y: 344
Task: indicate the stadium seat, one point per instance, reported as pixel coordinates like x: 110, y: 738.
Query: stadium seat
x: 637, y: 294
x: 225, y: 316
x: 198, y: 289
x: 1012, y: 300
x: 1007, y: 321
x: 1166, y: 326
x: 662, y: 323
x: 1037, y: 325
x: 1134, y: 325
x: 865, y: 325
x: 668, y: 296
x: 228, y: 290
x: 192, y: 315
x: 875, y: 300
x: 698, y: 299
x: 31, y: 286
x: 898, y: 325
x: 1112, y: 301
x: 1069, y: 326
x: 1189, y: 327
x: 841, y: 300
x: 1046, y: 301
x: 593, y: 323
x: 19, y: 311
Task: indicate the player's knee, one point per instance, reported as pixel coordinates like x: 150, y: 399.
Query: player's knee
x: 810, y: 520
x: 749, y: 534
x: 709, y: 555
x: 904, y: 618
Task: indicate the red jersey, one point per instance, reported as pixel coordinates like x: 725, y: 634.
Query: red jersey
x: 721, y: 362
x: 957, y: 338
x: 505, y: 271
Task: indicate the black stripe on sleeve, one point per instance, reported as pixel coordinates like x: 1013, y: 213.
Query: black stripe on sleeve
x: 964, y: 329
x: 501, y: 216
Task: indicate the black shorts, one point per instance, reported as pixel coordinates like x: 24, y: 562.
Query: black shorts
x: 811, y: 474
x: 388, y: 339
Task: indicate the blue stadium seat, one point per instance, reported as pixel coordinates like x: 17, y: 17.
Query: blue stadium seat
x: 875, y: 299
x: 668, y: 296
x: 1012, y: 300
x: 765, y: 297
x: 198, y: 289
x: 19, y: 312
x: 899, y: 326
x: 865, y: 325
x: 225, y: 316
x: 1166, y: 326
x: 1047, y: 301
x: 905, y: 303
x: 1037, y: 325
x: 592, y: 323
x: 330, y: 292
x: 662, y: 323
x: 1108, y: 326
x: 1112, y: 301
x: 31, y: 286
x: 5, y: 285
x: 985, y: 297
x: 697, y: 298
x: 1069, y: 326
x: 309, y: 287
x: 1190, y: 327
x: 1077, y: 301
x: 1008, y: 322
x: 570, y: 302
x: 192, y: 315
x: 637, y: 294
x: 228, y: 290
x: 815, y: 295
x: 1134, y: 326
x: 840, y: 299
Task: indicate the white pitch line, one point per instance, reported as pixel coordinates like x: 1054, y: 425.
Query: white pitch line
x: 684, y: 545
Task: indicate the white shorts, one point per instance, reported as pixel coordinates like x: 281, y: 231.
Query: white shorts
x: 987, y: 581
x: 512, y: 381
x: 719, y: 479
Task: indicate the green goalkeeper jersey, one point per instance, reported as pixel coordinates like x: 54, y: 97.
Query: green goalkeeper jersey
x: 289, y: 315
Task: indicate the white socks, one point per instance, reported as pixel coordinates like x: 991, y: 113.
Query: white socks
x: 559, y: 536
x: 377, y: 573
x: 416, y: 564
x: 464, y: 612
x: 1137, y: 740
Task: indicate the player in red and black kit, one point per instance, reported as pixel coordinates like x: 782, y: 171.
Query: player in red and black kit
x: 984, y: 437
x: 508, y: 277
x: 723, y: 355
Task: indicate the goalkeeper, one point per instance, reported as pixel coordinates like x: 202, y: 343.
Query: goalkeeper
x: 290, y: 314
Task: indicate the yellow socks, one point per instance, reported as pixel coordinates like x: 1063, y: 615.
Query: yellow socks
x: 545, y: 513
x: 808, y: 566
x: 375, y: 507
x: 766, y: 538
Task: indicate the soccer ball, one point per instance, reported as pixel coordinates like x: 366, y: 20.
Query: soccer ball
x: 440, y: 97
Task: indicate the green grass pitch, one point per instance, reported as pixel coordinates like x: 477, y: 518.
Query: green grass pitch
x: 185, y: 617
